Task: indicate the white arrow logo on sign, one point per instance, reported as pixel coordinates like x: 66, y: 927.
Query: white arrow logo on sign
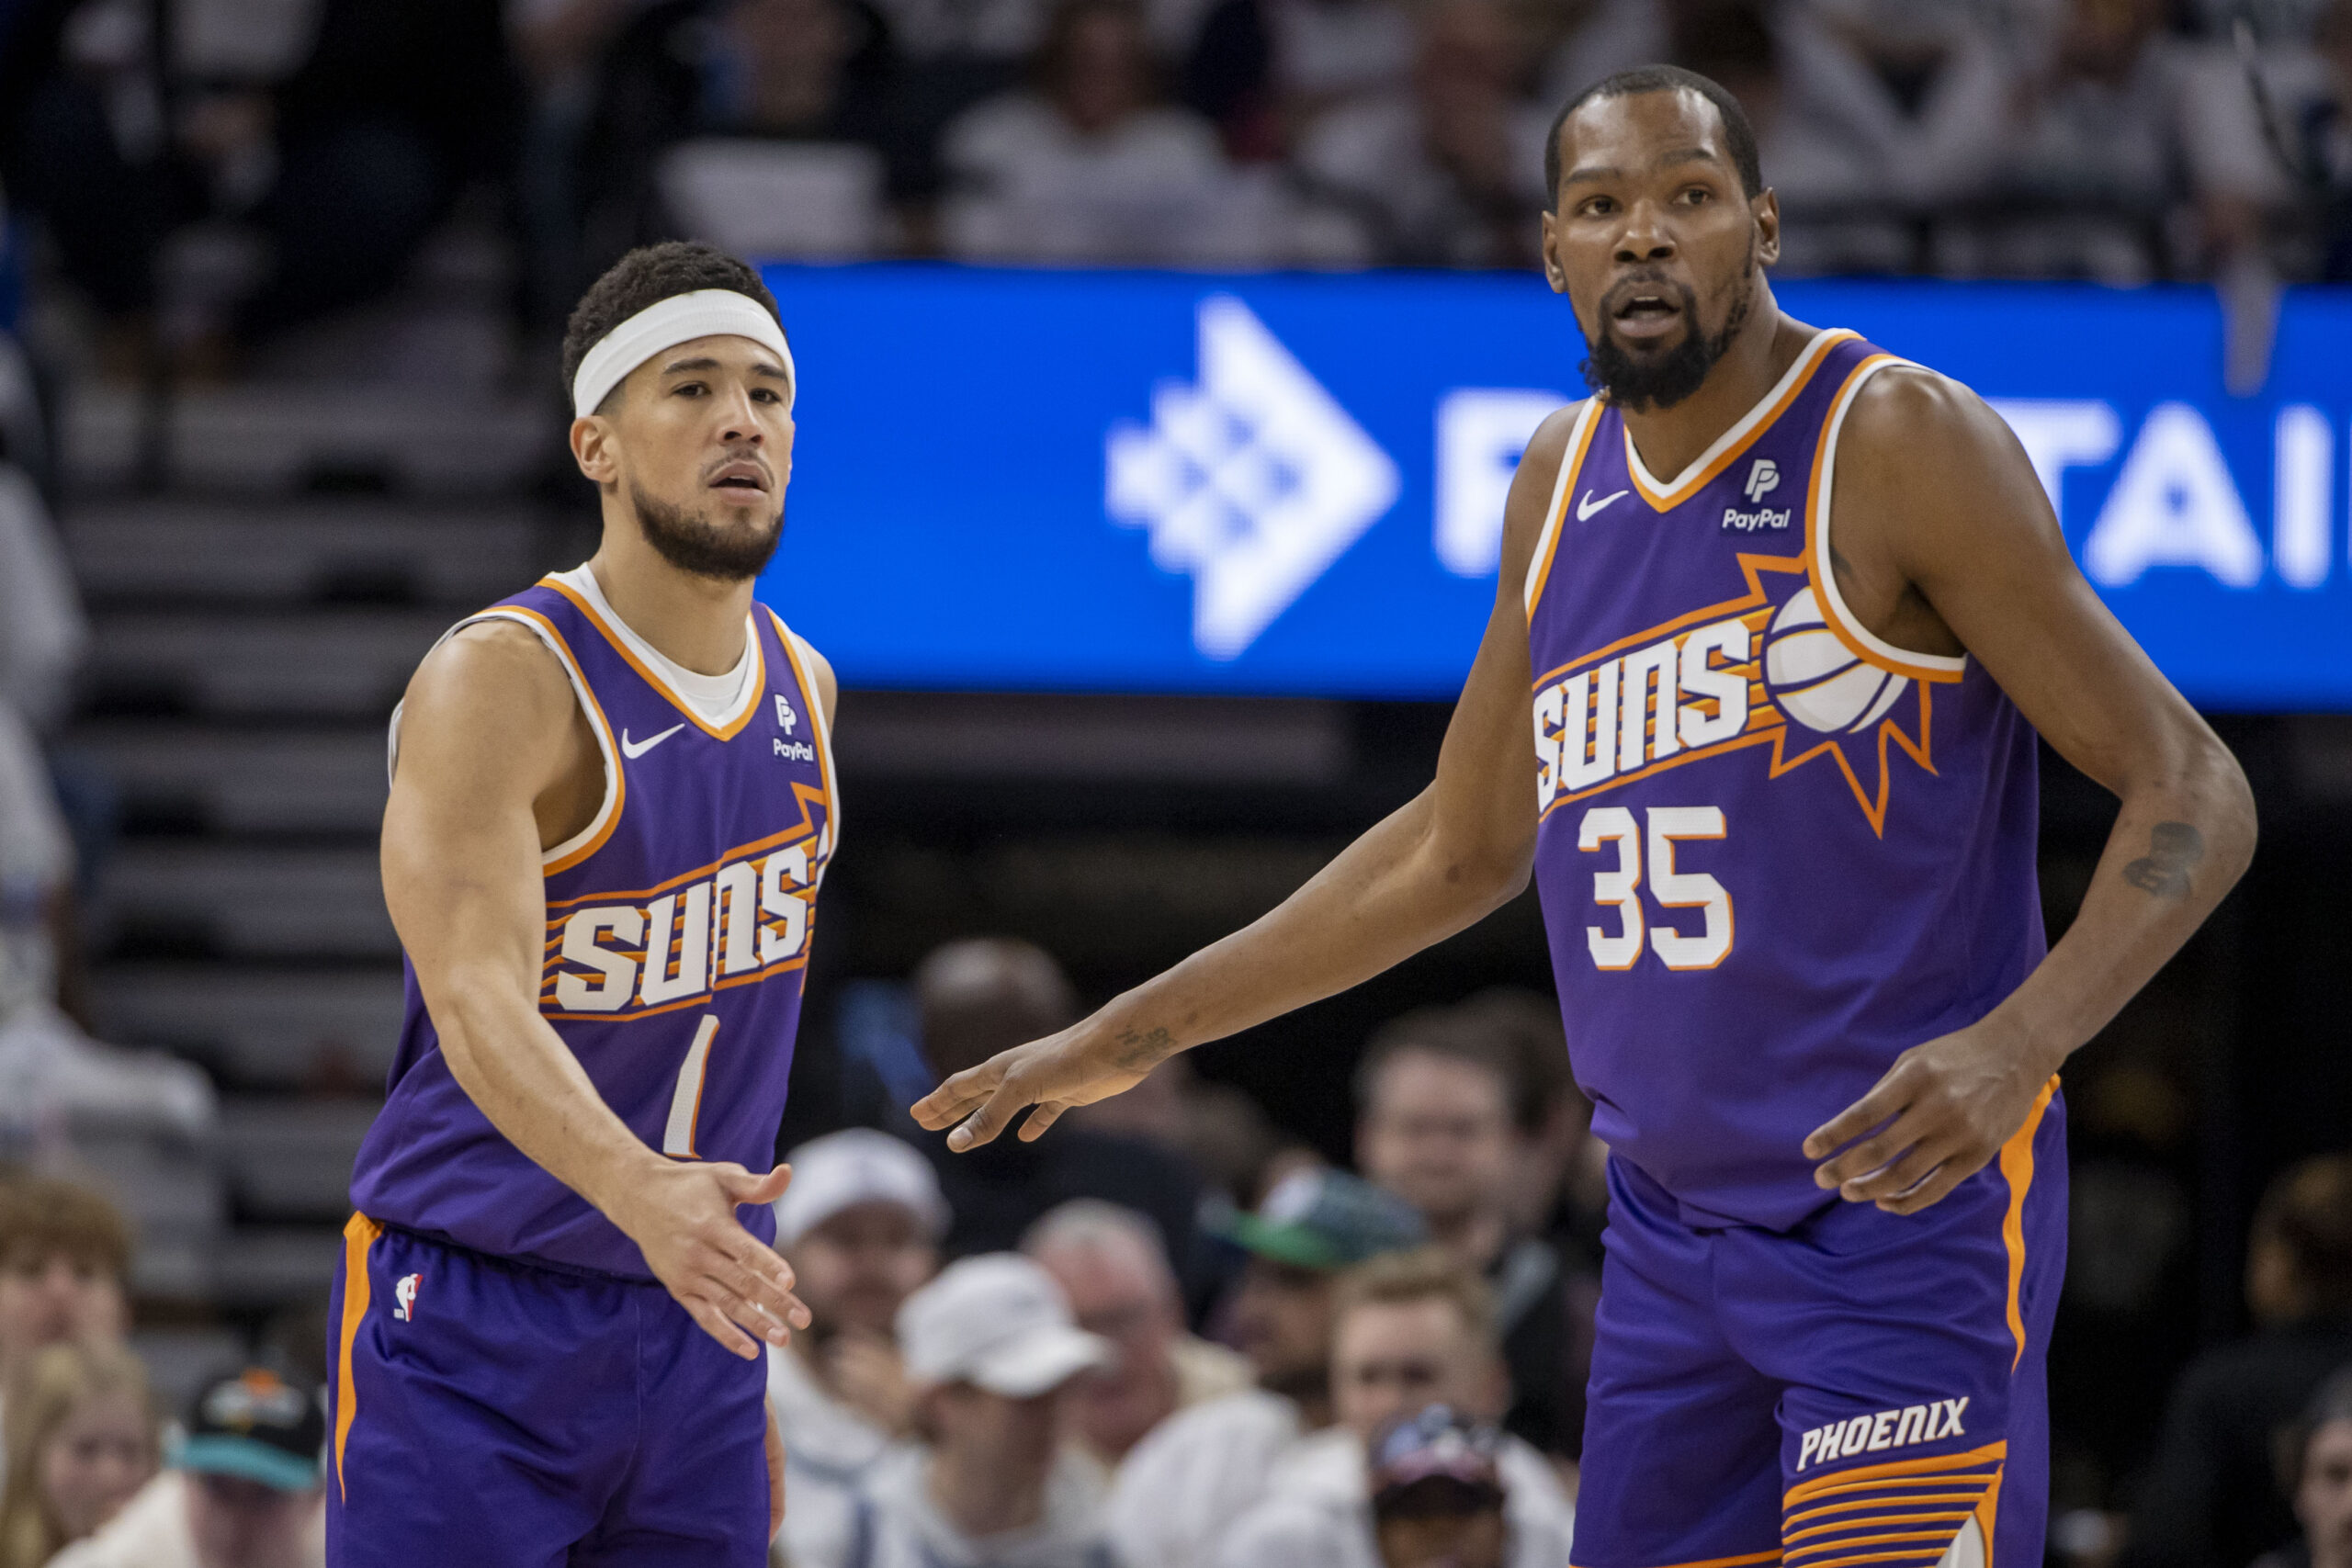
x: 1252, y: 481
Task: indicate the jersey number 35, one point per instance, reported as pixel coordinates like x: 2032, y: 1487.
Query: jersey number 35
x: 1620, y: 887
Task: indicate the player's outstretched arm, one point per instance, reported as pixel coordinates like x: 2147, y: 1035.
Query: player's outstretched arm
x: 1460, y: 848
x: 491, y: 740
x: 1933, y: 489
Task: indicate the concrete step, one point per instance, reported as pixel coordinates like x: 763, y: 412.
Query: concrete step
x: 342, y: 664
x: 290, y: 1159
x: 287, y: 436
x: 301, y: 552
x: 238, y: 899
x: 188, y: 777
x: 260, y: 1028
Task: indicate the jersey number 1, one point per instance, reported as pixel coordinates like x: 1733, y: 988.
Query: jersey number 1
x: 1620, y: 888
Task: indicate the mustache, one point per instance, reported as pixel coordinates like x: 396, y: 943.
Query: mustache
x: 1649, y: 280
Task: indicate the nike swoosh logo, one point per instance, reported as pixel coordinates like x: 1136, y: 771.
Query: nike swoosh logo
x: 1587, y: 506
x: 633, y: 750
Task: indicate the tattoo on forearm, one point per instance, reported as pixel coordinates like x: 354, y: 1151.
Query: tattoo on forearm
x: 1140, y: 1049
x: 2173, y: 850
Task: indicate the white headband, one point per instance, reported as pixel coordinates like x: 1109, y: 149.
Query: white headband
x: 682, y: 318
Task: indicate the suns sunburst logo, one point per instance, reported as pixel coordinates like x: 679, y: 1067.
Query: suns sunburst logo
x: 1770, y: 668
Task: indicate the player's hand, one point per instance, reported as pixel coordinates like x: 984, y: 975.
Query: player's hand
x: 1941, y: 1114
x: 682, y: 1215
x: 775, y: 1473
x: 1087, y: 1062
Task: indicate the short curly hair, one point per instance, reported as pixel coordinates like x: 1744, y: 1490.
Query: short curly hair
x: 645, y: 278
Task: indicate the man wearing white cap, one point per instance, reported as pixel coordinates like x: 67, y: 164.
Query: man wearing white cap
x: 990, y: 1345
x: 612, y: 803
x: 860, y: 1224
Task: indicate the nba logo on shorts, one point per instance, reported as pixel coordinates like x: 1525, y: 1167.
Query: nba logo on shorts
x: 1763, y: 479
x: 405, y: 1296
x: 1814, y: 677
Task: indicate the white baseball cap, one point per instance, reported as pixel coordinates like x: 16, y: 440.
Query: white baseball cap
x: 998, y: 1321
x: 857, y: 1166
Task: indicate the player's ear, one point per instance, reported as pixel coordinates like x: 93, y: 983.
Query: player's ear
x: 1552, y: 273
x: 1767, y: 208
x: 592, y: 438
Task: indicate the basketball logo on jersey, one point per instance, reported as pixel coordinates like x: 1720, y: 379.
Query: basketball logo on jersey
x: 405, y: 1296
x: 1764, y: 669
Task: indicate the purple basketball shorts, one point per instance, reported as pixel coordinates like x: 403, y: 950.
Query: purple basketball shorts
x: 1864, y: 1391
x: 484, y: 1411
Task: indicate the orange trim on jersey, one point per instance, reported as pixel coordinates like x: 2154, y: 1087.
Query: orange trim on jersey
x: 1829, y: 604
x: 1924, y: 1556
x: 1868, y: 1520
x: 758, y: 675
x: 610, y: 756
x: 1557, y: 524
x: 818, y: 722
x: 1807, y: 362
x: 1940, y: 1538
x: 358, y: 1234
x: 2016, y: 1169
x: 1853, y: 1505
x: 1740, y: 1562
x: 1931, y: 1470
x: 804, y: 828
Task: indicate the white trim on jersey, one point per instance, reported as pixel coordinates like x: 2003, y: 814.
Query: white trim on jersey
x: 1833, y: 603
x: 1663, y: 493
x: 1554, y: 516
x: 587, y: 705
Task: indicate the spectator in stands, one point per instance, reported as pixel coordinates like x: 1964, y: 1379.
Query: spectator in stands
x: 82, y: 1439
x: 1438, y: 1497
x: 861, y: 1224
x: 2089, y: 156
x: 1183, y: 1485
x: 991, y: 1347
x: 1111, y: 1266
x: 2210, y: 1495
x: 802, y: 72
x: 976, y: 998
x: 1436, y: 1098
x: 1086, y: 165
x: 2317, y: 1472
x: 1409, y: 1330
x: 1263, y: 69
x: 1577, y: 42
x: 1448, y: 171
x: 64, y: 1254
x: 242, y: 1491
x: 2278, y: 196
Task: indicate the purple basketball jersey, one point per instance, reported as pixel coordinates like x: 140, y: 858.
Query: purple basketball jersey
x: 677, y: 940
x: 1775, y: 852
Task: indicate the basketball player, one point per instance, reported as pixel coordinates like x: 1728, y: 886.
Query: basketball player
x: 1781, y: 615
x: 612, y: 802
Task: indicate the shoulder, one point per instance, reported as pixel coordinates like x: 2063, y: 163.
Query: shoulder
x: 1240, y: 1431
x: 495, y: 660
x: 819, y: 668
x: 151, y: 1532
x: 1910, y: 414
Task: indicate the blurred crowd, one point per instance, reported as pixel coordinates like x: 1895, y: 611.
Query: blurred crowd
x: 1146, y: 1340
x: 319, y: 142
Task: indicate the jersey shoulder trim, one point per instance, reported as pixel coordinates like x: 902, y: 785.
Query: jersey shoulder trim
x: 1859, y: 640
x: 1539, y: 568
x: 803, y: 660
x: 1663, y: 495
x: 591, y: 839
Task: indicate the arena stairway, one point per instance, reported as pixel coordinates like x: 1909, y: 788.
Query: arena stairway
x: 256, y: 616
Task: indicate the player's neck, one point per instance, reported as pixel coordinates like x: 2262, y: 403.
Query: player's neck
x: 693, y: 621
x: 1671, y: 439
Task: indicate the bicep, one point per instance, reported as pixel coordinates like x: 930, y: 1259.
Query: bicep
x: 1980, y: 543
x: 481, y: 736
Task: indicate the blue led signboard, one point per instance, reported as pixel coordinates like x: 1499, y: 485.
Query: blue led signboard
x: 1294, y: 484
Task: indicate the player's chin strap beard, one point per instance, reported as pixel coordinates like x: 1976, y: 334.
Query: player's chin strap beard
x: 1643, y: 385
x: 698, y: 546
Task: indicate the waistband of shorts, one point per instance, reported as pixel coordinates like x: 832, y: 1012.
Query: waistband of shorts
x: 522, y: 1263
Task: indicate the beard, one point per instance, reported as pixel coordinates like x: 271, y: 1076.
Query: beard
x: 694, y: 544
x: 1644, y: 382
